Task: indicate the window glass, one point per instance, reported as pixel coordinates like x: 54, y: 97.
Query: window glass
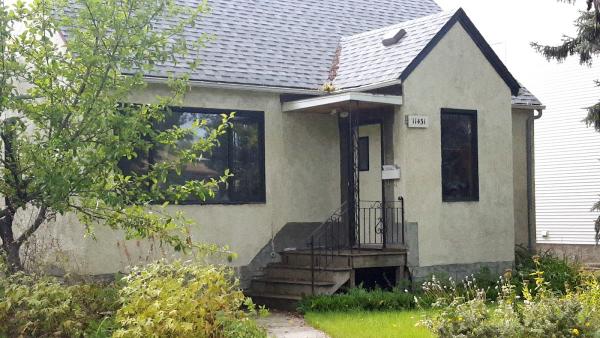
x: 459, y: 156
x: 363, y: 154
x: 241, y: 150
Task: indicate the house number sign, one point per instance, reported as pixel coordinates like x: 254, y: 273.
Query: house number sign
x: 417, y: 121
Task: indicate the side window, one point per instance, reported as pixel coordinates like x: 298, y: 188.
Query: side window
x: 460, y: 177
x: 363, y: 154
x: 241, y: 150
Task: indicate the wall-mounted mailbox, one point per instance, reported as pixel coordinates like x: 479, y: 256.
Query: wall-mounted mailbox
x: 390, y: 172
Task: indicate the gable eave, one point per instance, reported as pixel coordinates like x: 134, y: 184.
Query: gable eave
x: 461, y: 17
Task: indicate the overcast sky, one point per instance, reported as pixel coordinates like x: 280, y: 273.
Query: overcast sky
x: 510, y: 25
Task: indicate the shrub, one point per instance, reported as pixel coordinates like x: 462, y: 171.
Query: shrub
x: 182, y: 300
x: 359, y: 299
x: 543, y: 312
x: 34, y: 306
x: 559, y: 273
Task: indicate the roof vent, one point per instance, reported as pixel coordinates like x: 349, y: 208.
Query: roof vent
x: 392, y: 37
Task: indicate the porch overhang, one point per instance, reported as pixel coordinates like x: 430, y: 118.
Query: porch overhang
x: 339, y: 102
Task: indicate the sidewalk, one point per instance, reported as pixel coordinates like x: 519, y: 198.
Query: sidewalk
x: 288, y: 325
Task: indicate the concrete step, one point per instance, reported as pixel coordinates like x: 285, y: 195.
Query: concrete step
x: 275, y: 301
x: 303, y: 273
x: 290, y: 287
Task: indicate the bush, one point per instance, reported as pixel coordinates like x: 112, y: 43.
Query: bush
x: 183, y: 300
x: 543, y: 312
x: 559, y: 274
x: 359, y: 299
x: 34, y: 306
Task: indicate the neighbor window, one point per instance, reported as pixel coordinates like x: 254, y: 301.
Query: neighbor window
x: 460, y: 179
x: 241, y: 150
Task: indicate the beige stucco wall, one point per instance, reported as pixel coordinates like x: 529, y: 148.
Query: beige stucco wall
x: 302, y: 185
x: 457, y: 75
x: 519, y: 118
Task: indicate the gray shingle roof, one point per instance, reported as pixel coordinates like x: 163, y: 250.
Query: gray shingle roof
x: 364, y: 60
x: 526, y: 98
x: 286, y: 43
x: 293, y: 44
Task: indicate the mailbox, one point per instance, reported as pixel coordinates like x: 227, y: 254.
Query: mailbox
x: 390, y: 172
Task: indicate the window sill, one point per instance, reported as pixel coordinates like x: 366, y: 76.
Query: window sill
x: 460, y: 200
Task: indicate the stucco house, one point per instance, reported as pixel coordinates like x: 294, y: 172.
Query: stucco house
x: 374, y: 140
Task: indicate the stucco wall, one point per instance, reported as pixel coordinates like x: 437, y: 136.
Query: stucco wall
x: 457, y: 75
x: 519, y: 118
x: 302, y: 185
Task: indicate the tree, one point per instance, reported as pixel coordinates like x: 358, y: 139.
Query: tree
x: 586, y: 45
x: 67, y: 122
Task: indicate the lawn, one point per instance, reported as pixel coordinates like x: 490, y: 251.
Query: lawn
x: 369, y: 324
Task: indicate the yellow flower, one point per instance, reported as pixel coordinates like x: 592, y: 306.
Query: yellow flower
x: 460, y: 319
x: 575, y: 332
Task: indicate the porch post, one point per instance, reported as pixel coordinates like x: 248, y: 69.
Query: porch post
x: 353, y: 174
x: 349, y: 171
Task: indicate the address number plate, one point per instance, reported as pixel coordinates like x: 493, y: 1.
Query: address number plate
x: 417, y: 121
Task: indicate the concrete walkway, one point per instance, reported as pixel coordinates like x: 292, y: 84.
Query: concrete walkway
x: 288, y: 325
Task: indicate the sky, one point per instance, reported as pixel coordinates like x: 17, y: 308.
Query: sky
x: 511, y: 25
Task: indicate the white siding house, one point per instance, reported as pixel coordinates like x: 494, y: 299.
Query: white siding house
x: 567, y: 160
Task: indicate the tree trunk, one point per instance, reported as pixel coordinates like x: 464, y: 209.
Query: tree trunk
x: 13, y: 257
x: 9, y: 246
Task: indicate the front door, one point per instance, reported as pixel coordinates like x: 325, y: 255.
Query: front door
x: 370, y: 184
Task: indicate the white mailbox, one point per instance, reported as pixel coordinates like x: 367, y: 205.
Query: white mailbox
x: 390, y: 172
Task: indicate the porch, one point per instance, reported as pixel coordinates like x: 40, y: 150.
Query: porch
x: 364, y: 240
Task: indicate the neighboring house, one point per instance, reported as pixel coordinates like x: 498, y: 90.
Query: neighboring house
x: 568, y: 163
x: 414, y: 91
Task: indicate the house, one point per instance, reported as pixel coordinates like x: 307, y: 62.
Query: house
x: 373, y: 141
x: 568, y: 171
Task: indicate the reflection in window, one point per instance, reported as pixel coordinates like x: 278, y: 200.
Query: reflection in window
x: 459, y: 156
x: 241, y: 150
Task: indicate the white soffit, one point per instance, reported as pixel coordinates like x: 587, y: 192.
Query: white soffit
x: 395, y: 100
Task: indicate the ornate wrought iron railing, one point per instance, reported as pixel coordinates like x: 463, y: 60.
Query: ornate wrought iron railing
x: 329, y: 239
x: 369, y: 224
x: 380, y: 224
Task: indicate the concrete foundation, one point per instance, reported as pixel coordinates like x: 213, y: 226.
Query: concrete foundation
x: 457, y: 271
x: 580, y: 253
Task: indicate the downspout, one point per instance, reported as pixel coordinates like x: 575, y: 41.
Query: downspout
x: 530, y: 172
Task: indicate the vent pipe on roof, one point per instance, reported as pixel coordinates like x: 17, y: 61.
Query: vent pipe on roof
x: 392, y: 38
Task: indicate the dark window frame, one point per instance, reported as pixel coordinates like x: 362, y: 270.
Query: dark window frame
x: 361, y: 154
x: 257, y: 117
x: 475, y: 154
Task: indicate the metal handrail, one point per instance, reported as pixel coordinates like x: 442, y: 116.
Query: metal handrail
x: 379, y: 223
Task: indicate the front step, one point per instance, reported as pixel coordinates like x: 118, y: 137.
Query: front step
x: 302, y: 273
x: 290, y: 286
x: 276, y: 301
x: 303, y: 258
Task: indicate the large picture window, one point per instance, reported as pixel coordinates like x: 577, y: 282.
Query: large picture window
x: 241, y: 150
x: 460, y: 178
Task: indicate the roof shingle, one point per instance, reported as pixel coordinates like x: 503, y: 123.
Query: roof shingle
x: 285, y: 43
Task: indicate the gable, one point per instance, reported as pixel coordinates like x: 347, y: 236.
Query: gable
x: 363, y: 60
x: 461, y: 18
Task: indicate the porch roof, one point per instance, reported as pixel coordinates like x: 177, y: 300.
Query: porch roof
x: 339, y: 102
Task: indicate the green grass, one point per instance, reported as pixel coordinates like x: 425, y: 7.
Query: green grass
x: 363, y: 324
